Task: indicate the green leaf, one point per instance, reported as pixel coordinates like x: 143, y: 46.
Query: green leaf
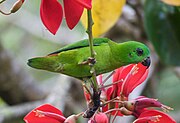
x: 162, y: 24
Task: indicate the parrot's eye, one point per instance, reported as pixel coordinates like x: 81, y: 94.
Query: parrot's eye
x: 139, y: 51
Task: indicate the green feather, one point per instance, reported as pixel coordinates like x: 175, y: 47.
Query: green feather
x: 109, y: 56
x: 81, y: 44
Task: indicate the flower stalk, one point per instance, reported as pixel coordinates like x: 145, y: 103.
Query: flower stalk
x: 92, y: 52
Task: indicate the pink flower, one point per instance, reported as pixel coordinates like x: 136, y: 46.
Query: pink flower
x: 154, y: 116
x: 51, y: 13
x: 139, y: 105
x: 143, y: 102
x: 99, y: 118
x: 45, y: 114
x: 139, y: 110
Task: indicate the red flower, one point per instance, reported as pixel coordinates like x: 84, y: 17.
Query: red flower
x: 45, y: 114
x: 154, y: 116
x: 131, y: 76
x: 143, y: 102
x: 139, y: 105
x: 143, y: 115
x: 51, y: 13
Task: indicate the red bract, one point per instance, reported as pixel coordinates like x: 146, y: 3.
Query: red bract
x: 45, y: 114
x: 154, y: 116
x: 51, y: 13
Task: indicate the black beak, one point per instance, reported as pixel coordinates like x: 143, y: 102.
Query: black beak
x: 146, y: 62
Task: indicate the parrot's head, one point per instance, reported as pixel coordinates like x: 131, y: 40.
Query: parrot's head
x: 134, y: 52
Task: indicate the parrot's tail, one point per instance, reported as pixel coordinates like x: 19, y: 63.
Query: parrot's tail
x: 45, y: 63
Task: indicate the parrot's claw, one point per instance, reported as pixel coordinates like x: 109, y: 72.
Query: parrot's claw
x: 90, y: 61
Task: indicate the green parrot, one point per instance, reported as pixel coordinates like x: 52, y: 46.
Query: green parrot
x: 72, y: 59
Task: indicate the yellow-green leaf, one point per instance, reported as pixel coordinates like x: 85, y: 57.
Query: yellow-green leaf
x: 105, y: 14
x: 172, y: 2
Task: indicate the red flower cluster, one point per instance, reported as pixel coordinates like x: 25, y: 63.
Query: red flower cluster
x: 125, y: 80
x: 115, y: 101
x: 128, y: 78
x: 51, y: 13
x: 49, y: 114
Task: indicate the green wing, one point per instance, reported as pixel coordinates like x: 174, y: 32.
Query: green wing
x: 82, y: 43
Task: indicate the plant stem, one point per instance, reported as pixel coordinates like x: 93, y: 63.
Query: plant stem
x: 89, y: 31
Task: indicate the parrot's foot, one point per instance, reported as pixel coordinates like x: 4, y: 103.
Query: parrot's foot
x: 90, y: 61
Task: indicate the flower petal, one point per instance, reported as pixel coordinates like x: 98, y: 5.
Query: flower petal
x: 117, y: 74
x: 111, y: 93
x: 85, y: 3
x: 135, y: 79
x: 99, y: 79
x: 51, y: 14
x: 121, y: 74
x: 142, y: 79
x: 73, y: 12
x: 87, y: 95
x: 34, y: 117
x: 71, y: 119
x: 99, y: 118
x: 145, y: 102
x: 125, y: 71
x: 164, y: 118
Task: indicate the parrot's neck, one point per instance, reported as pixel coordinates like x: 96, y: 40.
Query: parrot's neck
x: 119, y: 53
